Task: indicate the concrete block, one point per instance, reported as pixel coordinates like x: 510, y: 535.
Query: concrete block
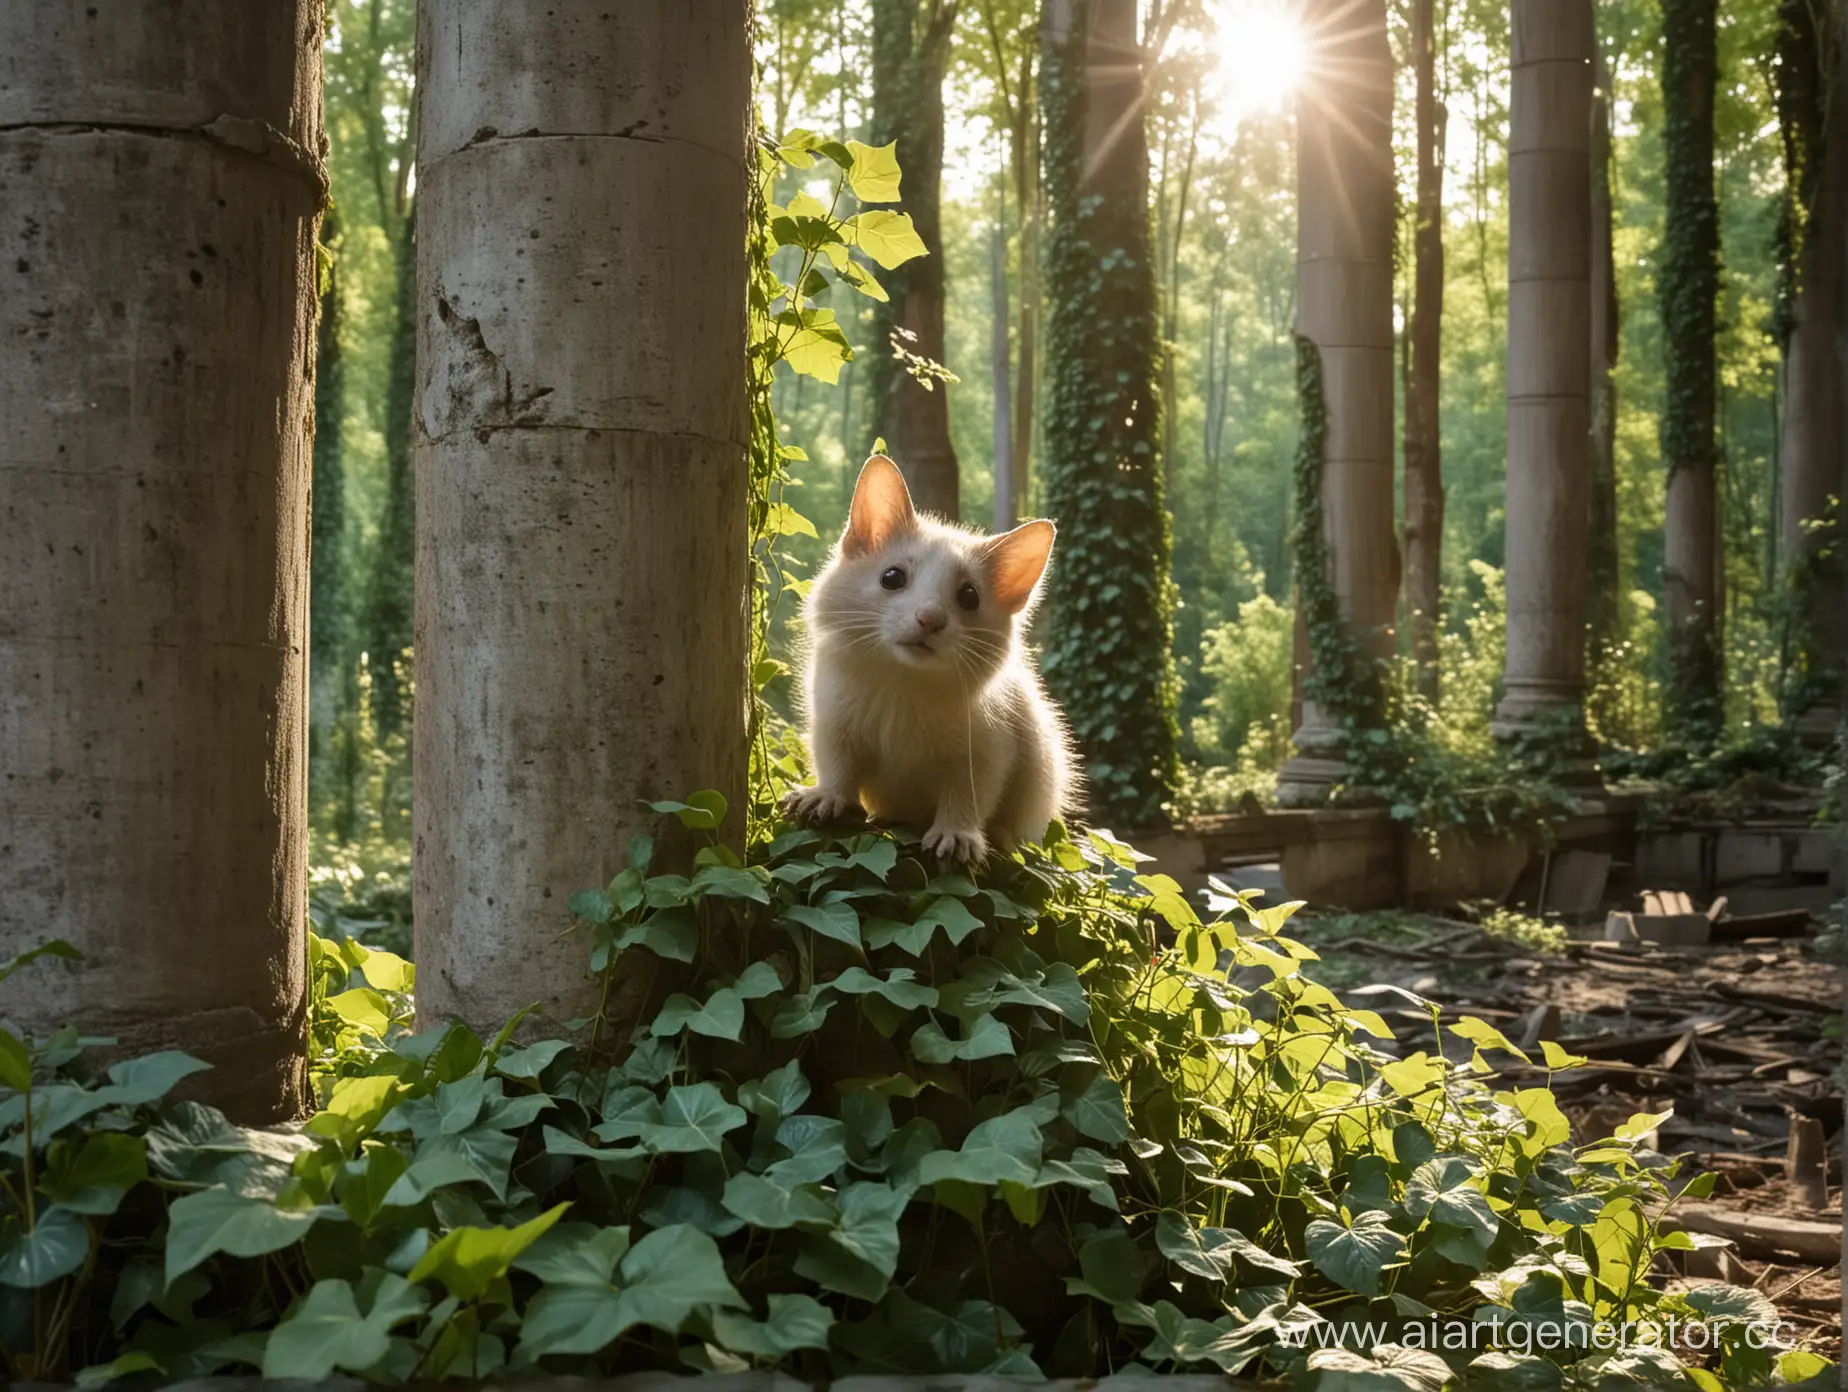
x: 1350, y: 863
x: 1675, y: 930
x: 1669, y: 858
x: 1747, y: 855
x: 1757, y: 899
x: 1575, y: 883
x: 1819, y: 850
x: 1462, y: 866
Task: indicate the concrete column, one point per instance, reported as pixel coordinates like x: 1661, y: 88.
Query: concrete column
x: 581, y: 428
x: 1549, y: 361
x: 160, y: 182
x: 1344, y: 241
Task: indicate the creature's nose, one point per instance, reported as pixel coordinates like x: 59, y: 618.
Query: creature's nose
x: 931, y: 618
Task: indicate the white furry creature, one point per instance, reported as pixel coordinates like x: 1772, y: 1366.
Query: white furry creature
x: 922, y: 703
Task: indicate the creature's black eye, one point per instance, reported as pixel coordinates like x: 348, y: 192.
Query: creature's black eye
x: 893, y: 579
x: 968, y: 597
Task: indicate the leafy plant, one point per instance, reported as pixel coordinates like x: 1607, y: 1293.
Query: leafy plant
x: 1038, y: 1120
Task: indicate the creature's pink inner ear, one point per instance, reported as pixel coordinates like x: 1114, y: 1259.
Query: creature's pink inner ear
x: 1016, y: 561
x: 881, y: 507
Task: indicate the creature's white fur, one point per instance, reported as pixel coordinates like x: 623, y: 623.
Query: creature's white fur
x: 919, y: 711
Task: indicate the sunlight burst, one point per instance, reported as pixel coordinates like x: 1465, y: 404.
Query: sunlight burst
x: 1261, y: 56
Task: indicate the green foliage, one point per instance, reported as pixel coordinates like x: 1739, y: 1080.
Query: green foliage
x: 1688, y: 288
x: 1042, y: 1121
x: 1347, y: 684
x: 1108, y: 624
x: 816, y: 242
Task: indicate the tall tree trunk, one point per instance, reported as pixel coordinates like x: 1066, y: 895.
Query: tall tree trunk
x: 1348, y: 570
x: 389, y: 599
x: 1604, y: 603
x: 1549, y: 370
x: 1424, y: 473
x: 1006, y: 506
x: 328, y: 619
x: 161, y: 183
x: 581, y: 443
x: 1031, y: 202
x: 911, y: 46
x: 1688, y: 285
x: 1816, y: 145
x: 1109, y: 620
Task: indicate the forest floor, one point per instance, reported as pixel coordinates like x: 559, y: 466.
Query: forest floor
x: 1738, y: 1037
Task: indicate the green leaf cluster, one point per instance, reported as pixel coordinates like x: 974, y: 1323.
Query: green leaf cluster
x: 1042, y: 1119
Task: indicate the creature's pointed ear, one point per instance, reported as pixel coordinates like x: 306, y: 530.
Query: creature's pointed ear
x: 1016, y: 561
x: 881, y: 507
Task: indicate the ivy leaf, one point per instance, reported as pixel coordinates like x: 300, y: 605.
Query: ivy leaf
x: 703, y: 811
x: 58, y: 1244
x: 989, y: 1038
x: 57, y: 947
x: 149, y: 1078
x: 813, y: 353
x: 729, y: 882
x: 15, y: 1062
x: 1391, y: 1366
x: 1096, y: 1109
x: 1112, y: 1266
x: 946, y: 913
x: 575, y: 1254
x: 1004, y: 1147
x: 721, y: 1016
x: 779, y: 1093
x: 485, y: 1152
x: 1732, y: 1305
x: 874, y: 175
x: 1354, y: 1257
x: 763, y: 1203
x: 694, y: 1117
x: 817, y: 1149
x: 860, y: 1254
x: 801, y: 1013
x: 92, y: 1176
x: 629, y: 1162
x: 1441, y: 1189
x: 795, y: 1322
x: 528, y: 1063
x: 887, y: 237
x: 469, y: 1260
x: 326, y: 1331
x: 900, y: 987
x: 837, y: 921
x: 218, y: 1220
x: 671, y: 932
x: 670, y: 1273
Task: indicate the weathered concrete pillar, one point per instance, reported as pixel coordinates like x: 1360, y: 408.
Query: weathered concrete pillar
x: 160, y: 182
x: 1344, y: 242
x: 581, y: 431
x: 1549, y: 364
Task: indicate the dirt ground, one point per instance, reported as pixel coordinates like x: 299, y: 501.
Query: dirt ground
x: 1742, y: 1038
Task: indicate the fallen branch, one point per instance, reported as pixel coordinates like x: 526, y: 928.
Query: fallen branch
x: 1761, y: 1234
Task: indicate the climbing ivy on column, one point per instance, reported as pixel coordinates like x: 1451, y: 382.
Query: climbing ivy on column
x: 1688, y: 287
x: 1108, y: 629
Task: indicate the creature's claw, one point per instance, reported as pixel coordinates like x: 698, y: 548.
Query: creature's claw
x: 958, y: 847
x: 818, y: 806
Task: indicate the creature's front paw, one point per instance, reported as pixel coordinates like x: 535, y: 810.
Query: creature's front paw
x: 818, y: 806
x: 958, y: 847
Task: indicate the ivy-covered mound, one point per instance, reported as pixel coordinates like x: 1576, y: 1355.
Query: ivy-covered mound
x: 896, y: 1121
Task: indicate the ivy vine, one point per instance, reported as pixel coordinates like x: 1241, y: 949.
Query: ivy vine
x: 1108, y: 628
